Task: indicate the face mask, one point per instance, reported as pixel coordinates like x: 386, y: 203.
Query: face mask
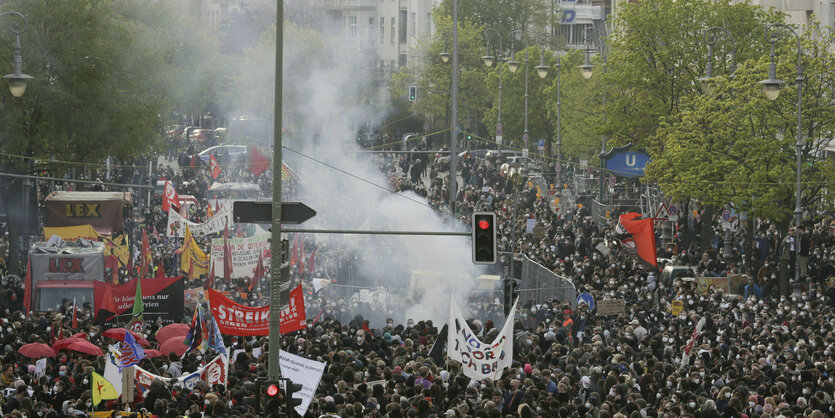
x: 206, y: 402
x: 751, y: 404
x: 727, y: 395
x: 692, y: 405
x: 70, y: 411
x: 805, y: 391
x: 658, y: 395
x: 696, y: 381
x: 62, y: 373
x: 86, y: 381
x: 89, y: 404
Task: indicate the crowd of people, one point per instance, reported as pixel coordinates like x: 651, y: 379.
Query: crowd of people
x: 759, y: 353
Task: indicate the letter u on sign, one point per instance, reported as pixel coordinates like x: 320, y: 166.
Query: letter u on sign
x: 630, y: 163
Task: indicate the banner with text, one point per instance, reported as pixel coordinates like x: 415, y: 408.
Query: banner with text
x: 161, y: 298
x: 479, y: 360
x: 177, y: 224
x: 304, y: 371
x: 236, y: 319
x: 245, y: 254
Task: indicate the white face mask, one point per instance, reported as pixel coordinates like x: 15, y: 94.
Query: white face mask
x: 692, y: 405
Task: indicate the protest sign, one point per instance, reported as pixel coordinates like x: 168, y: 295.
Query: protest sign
x: 611, y: 307
x: 245, y: 254
x: 161, y: 298
x: 479, y: 360
x: 236, y: 319
x: 177, y: 224
x: 304, y: 371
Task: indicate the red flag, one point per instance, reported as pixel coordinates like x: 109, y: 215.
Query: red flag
x: 258, y: 272
x: 214, y: 167
x: 258, y: 162
x: 170, y: 197
x: 209, y: 211
x: 637, y: 236
x: 227, y: 254
x: 74, y: 314
x: 311, y: 262
x: 208, y: 282
x: 294, y: 252
x: 145, y: 265
x: 160, y: 270
x: 190, y: 270
x: 193, y: 161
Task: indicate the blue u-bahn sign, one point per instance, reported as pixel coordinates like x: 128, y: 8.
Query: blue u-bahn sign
x: 625, y: 162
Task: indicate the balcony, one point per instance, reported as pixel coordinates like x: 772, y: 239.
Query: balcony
x: 339, y: 5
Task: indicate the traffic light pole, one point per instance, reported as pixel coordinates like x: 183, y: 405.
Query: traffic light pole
x: 277, y: 249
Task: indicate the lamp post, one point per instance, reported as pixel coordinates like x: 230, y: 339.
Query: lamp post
x: 513, y: 66
x: 586, y: 70
x: 17, y: 80
x: 453, y: 131
x: 488, y: 61
x: 542, y: 71
x: 710, y: 36
x: 707, y: 84
x: 771, y: 89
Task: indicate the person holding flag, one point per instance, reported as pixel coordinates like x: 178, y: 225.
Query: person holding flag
x: 137, y: 322
x: 170, y: 197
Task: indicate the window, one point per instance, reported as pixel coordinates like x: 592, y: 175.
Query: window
x: 393, y: 31
x: 429, y: 23
x: 382, y: 29
x: 402, y: 31
x: 413, y: 24
x: 352, y: 23
x: 370, y: 29
x: 401, y: 60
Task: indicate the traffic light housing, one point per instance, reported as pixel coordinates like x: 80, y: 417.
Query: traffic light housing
x: 484, y: 238
x: 412, y: 93
x: 255, y: 400
x: 274, y: 398
x: 292, y: 402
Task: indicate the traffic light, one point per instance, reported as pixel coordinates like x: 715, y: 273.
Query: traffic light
x: 412, y: 93
x: 255, y: 400
x: 274, y: 398
x: 484, y: 237
x: 292, y: 402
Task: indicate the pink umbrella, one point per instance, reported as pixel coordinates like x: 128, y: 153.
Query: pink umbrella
x: 61, y: 344
x: 171, y: 330
x: 173, y: 345
x: 119, y: 334
x: 85, y: 347
x: 152, y: 353
x: 36, y: 350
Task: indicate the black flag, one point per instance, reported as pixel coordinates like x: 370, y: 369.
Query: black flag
x: 437, y: 351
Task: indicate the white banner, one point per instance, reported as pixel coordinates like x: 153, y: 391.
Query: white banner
x: 479, y: 360
x: 245, y: 252
x: 301, y: 370
x: 177, y: 224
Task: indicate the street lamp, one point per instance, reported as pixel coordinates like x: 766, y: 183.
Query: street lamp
x: 771, y: 89
x: 707, y: 82
x: 512, y: 66
x: 17, y: 80
x: 488, y: 61
x: 586, y: 70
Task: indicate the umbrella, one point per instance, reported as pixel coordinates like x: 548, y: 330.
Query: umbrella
x: 61, y: 344
x: 152, y: 353
x: 119, y: 334
x: 171, y: 330
x: 36, y: 350
x: 173, y: 345
x: 85, y: 347
x: 80, y: 335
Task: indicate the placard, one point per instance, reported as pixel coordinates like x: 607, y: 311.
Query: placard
x: 611, y: 307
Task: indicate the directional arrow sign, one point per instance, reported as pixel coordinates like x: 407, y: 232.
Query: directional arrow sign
x: 262, y: 212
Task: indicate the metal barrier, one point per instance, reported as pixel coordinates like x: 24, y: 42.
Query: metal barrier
x: 539, y: 284
x: 599, y: 213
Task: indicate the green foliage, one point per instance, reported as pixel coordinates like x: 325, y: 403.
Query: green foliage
x: 104, y: 73
x: 735, y: 146
x: 504, y: 15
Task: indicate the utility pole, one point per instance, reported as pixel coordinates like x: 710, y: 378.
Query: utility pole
x: 453, y: 152
x: 277, y: 249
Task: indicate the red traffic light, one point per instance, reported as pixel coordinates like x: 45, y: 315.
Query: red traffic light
x: 483, y: 224
x: 272, y: 390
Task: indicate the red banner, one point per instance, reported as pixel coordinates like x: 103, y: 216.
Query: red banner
x: 161, y: 298
x: 236, y: 319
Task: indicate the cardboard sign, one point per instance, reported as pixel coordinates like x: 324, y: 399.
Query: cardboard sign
x: 611, y: 307
x: 677, y: 307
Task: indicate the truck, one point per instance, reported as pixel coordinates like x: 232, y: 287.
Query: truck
x: 104, y: 211
x: 62, y: 271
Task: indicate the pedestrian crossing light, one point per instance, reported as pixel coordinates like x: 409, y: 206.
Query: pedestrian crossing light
x: 484, y: 238
x: 412, y: 93
x: 274, y: 398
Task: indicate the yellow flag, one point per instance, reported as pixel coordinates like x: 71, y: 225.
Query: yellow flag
x: 102, y: 389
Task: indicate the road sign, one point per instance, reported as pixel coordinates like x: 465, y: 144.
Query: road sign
x: 458, y: 129
x: 540, y: 142
x: 499, y: 138
x: 557, y: 167
x: 587, y: 299
x: 672, y: 210
x: 262, y: 212
x: 525, y: 138
x: 726, y: 215
x: 499, y: 126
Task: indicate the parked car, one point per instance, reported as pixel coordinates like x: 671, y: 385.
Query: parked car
x: 496, y: 155
x: 233, y: 151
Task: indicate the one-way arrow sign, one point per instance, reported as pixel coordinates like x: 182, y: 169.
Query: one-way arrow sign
x: 262, y: 212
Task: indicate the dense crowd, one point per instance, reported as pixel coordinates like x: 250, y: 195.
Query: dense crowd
x: 759, y: 354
